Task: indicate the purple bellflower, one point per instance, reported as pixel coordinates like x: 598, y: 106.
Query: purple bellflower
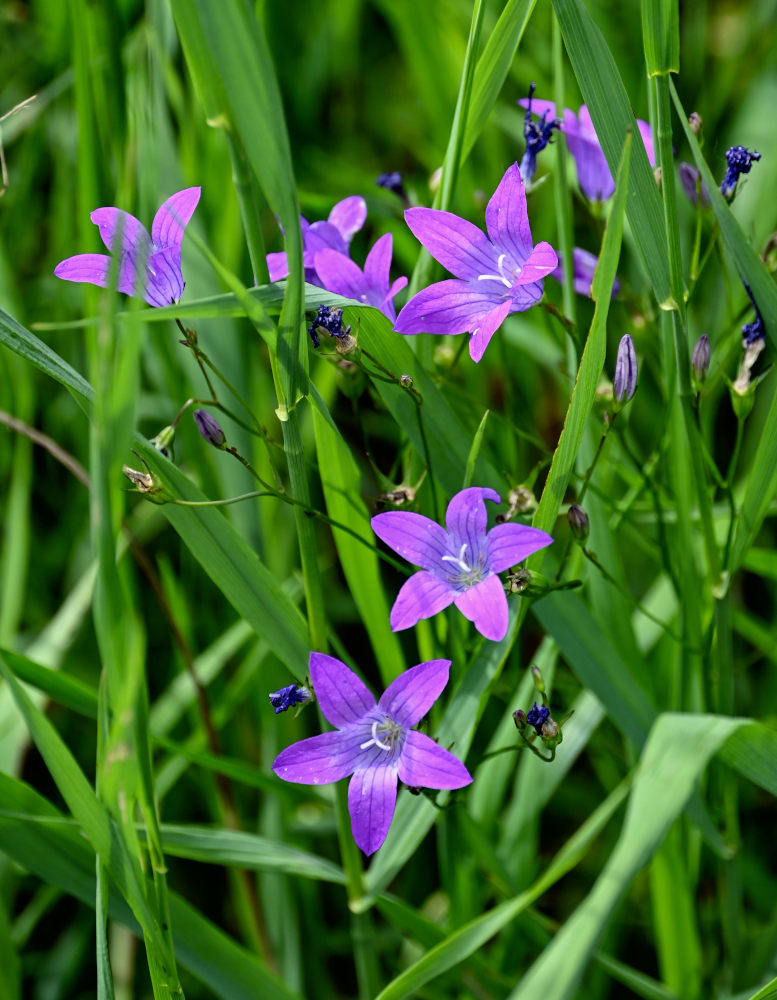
x: 375, y: 742
x: 537, y: 136
x: 460, y: 565
x: 496, y: 274
x: 339, y: 274
x: 584, y: 264
x: 149, y: 267
x: 336, y: 233
x: 740, y: 161
x: 593, y: 174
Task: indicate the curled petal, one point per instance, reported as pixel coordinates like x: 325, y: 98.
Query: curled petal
x: 424, y: 764
x: 466, y: 517
x: 408, y: 698
x: 539, y: 107
x: 451, y: 306
x: 485, y: 605
x: 416, y: 538
x: 318, y: 760
x: 173, y: 217
x: 348, y: 216
x: 490, y: 323
x: 372, y: 796
x: 422, y: 596
x: 121, y: 232
x: 507, y: 220
x: 509, y: 544
x: 344, y: 698
x: 458, y: 245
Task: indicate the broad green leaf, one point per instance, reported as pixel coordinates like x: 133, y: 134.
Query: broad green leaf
x: 752, y: 750
x: 661, y: 35
x: 677, y: 751
x: 65, y: 690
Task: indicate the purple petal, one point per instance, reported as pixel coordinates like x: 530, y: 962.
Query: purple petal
x: 340, y: 275
x: 451, y: 306
x: 422, y: 596
x: 506, y: 218
x: 173, y: 217
x: 318, y: 760
x: 416, y: 538
x: 323, y: 236
x: 539, y: 107
x: 485, y: 604
x: 540, y: 262
x: 343, y: 697
x: 647, y: 137
x: 348, y: 216
x: 490, y: 323
x: 278, y: 266
x: 424, y: 764
x: 122, y: 233
x: 372, y: 796
x: 378, y: 262
x: 458, y: 245
x: 593, y: 174
x: 466, y: 517
x: 94, y: 268
x: 408, y: 698
x: 509, y: 544
x: 387, y: 305
x: 164, y: 281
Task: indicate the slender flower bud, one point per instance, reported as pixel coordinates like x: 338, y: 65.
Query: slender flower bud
x: 700, y: 358
x: 519, y: 718
x: 210, y: 428
x: 578, y: 522
x: 690, y: 178
x: 625, y: 381
x: 288, y: 697
x: 694, y: 120
x: 739, y: 160
x: 539, y: 680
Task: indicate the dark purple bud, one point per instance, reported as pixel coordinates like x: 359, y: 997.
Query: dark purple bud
x: 700, y: 358
x: 519, y: 718
x: 209, y: 428
x: 536, y: 717
x: 625, y: 381
x: 578, y: 522
x: 739, y: 160
x: 288, y: 697
x: 392, y: 181
x: 692, y: 184
x: 537, y: 136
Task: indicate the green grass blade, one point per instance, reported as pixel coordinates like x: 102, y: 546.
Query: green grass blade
x: 474, y: 451
x: 661, y: 35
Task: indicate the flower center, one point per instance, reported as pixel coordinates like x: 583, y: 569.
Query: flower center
x: 506, y: 276
x: 384, y: 735
x: 463, y: 572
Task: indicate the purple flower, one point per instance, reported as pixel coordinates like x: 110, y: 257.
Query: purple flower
x: 340, y: 275
x: 593, y: 174
x: 459, y: 566
x: 584, y: 264
x: 740, y: 161
x: 288, y: 697
x: 149, y: 266
x: 537, y: 136
x: 345, y: 219
x: 374, y: 742
x: 496, y: 274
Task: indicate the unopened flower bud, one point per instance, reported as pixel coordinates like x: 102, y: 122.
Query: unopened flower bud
x: 700, y: 358
x: 625, y: 382
x: 518, y: 581
x: 690, y: 178
x: 406, y: 381
x: 694, y: 120
x: 578, y: 522
x: 288, y: 697
x: 519, y: 718
x: 539, y: 680
x: 163, y: 439
x: 550, y: 733
x: 210, y: 428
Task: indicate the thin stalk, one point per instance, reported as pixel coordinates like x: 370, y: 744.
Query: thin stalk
x: 245, y: 188
x: 561, y: 191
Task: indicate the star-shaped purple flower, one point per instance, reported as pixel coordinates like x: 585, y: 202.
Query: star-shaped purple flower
x: 339, y: 274
x: 336, y: 233
x: 495, y: 275
x: 149, y: 266
x: 375, y: 742
x: 460, y: 565
x: 593, y: 174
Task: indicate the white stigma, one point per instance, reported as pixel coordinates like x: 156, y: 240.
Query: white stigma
x: 459, y: 560
x: 375, y: 740
x: 504, y: 278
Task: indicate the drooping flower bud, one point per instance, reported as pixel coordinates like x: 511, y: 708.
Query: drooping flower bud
x: 700, y: 358
x: 740, y: 160
x: 578, y: 522
x: 288, y: 697
x: 210, y: 428
x: 625, y: 382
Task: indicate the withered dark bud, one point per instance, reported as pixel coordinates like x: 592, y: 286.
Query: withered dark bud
x: 578, y: 522
x: 406, y: 381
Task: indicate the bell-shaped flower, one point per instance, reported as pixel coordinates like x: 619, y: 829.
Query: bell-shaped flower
x: 149, y: 267
x: 460, y: 564
x: 496, y: 274
x: 593, y: 174
x: 339, y: 274
x: 375, y: 742
x: 335, y: 233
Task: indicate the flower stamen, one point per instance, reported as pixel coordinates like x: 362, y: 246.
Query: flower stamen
x: 459, y: 560
x: 387, y: 727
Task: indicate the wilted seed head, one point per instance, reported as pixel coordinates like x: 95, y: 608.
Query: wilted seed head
x: 700, y: 358
x: 536, y: 717
x: 210, y: 428
x: 288, y: 697
x: 537, y: 136
x: 578, y: 522
x: 694, y: 120
x: 521, y: 499
x: 739, y: 160
x: 518, y: 581
x: 550, y: 733
x: 625, y: 382
x: 146, y: 484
